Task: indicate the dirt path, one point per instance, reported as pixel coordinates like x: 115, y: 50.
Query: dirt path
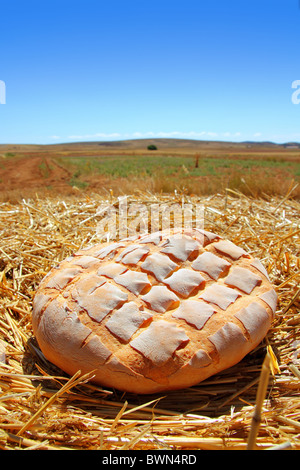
x: 33, y: 172
x: 28, y: 176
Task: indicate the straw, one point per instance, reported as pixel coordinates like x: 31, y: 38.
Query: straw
x: 261, y: 393
x: 43, y: 408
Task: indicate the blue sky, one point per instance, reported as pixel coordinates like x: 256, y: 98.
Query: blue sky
x: 110, y: 70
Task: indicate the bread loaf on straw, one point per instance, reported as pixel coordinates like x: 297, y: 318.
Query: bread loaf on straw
x: 159, y: 312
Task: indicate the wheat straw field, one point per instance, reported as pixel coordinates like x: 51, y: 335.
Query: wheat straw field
x: 42, y: 408
x: 144, y: 116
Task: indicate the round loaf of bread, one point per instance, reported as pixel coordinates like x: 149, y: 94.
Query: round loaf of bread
x: 156, y: 312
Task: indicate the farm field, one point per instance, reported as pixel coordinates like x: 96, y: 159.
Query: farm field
x: 49, y: 200
x: 125, y: 167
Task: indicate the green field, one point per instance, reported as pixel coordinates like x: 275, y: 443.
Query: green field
x: 250, y: 174
x: 125, y: 166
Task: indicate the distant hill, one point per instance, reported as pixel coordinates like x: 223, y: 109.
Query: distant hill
x: 136, y: 144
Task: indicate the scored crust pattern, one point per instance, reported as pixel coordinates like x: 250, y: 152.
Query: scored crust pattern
x: 157, y: 312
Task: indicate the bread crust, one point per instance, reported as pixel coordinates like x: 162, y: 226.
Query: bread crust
x: 161, y: 312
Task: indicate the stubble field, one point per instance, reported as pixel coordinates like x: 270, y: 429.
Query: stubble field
x: 48, y: 210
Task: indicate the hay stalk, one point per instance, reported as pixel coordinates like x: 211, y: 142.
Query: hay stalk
x: 261, y: 393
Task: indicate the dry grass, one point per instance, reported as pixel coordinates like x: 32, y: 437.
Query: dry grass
x: 42, y: 408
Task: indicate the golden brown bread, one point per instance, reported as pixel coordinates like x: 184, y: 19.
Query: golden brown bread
x: 160, y: 312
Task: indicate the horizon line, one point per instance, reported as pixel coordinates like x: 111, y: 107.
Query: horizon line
x: 63, y: 142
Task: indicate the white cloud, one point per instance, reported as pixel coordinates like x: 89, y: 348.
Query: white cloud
x: 101, y: 135
x: 149, y: 134
x: 173, y: 134
x: 112, y: 135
